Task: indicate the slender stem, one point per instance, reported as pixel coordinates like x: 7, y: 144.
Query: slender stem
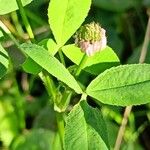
x: 82, y: 63
x: 68, y: 94
x: 60, y: 124
x: 65, y: 100
x: 25, y: 20
x: 33, y: 16
x: 61, y: 57
x: 122, y: 127
x: 145, y: 44
x: 51, y: 89
x: 17, y: 24
x: 129, y: 108
x: 6, y: 30
x: 50, y: 86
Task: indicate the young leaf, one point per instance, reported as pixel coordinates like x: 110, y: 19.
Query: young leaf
x: 3, y: 61
x: 42, y: 57
x: 85, y: 129
x: 7, y: 6
x: 123, y: 85
x: 66, y: 16
x: 95, y: 64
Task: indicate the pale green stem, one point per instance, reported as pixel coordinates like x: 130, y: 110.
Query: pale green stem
x: 25, y: 20
x: 49, y: 85
x: 60, y: 124
x: 68, y: 94
x: 61, y: 57
x: 35, y: 17
x: 81, y: 65
x: 51, y: 89
x: 17, y: 24
x: 6, y: 30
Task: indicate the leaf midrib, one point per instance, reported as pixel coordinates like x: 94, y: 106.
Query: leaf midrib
x: 120, y: 86
x: 63, y: 21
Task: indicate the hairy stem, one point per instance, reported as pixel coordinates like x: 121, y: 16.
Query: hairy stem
x: 129, y: 108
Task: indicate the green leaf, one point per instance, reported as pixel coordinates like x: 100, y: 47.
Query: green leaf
x: 123, y: 85
x: 16, y: 56
x: 66, y: 16
x: 96, y: 63
x: 50, y: 64
x: 30, y: 66
x: 7, y: 6
x: 3, y: 61
x: 85, y: 129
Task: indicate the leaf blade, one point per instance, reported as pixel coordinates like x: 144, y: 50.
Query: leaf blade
x: 50, y: 64
x: 96, y: 64
x: 70, y: 15
x: 80, y: 135
x: 123, y: 85
x: 8, y: 6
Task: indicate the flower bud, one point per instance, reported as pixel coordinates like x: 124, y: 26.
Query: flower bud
x: 91, y: 38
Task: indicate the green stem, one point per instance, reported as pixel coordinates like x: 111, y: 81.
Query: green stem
x: 25, y: 20
x: 6, y: 30
x: 65, y: 100
x: 68, y: 94
x: 33, y: 16
x: 129, y: 108
x: 61, y: 57
x: 81, y: 65
x: 16, y: 23
x: 51, y: 89
x: 60, y: 124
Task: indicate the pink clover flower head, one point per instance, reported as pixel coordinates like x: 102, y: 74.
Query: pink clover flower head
x: 91, y: 38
